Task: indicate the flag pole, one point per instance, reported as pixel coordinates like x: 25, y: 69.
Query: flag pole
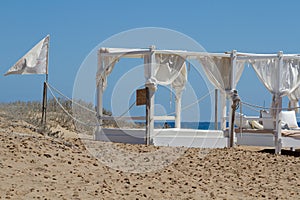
x: 44, y: 102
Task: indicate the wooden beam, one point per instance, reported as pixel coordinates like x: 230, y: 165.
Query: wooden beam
x: 278, y: 141
x: 163, y: 118
x: 216, y: 109
x: 232, y: 111
x: 123, y: 118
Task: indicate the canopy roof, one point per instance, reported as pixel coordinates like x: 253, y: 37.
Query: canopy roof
x: 280, y: 73
x: 140, y: 52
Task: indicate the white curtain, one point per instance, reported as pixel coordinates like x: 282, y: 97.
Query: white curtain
x: 148, y: 71
x: 294, y: 99
x: 294, y: 96
x: 219, y: 71
x: 279, y: 81
x: 283, y: 81
x: 179, y: 83
x: 168, y: 68
x: 107, y: 64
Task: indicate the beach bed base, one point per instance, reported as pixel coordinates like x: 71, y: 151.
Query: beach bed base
x: 166, y: 137
x: 266, y: 139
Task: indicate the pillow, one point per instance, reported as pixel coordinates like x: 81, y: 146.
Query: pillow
x: 256, y: 125
x: 290, y: 118
x: 284, y: 125
x: 241, y: 121
x: 267, y: 120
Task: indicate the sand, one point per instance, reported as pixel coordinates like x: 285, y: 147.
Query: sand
x: 34, y: 166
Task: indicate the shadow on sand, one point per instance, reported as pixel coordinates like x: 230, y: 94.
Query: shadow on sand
x: 284, y: 152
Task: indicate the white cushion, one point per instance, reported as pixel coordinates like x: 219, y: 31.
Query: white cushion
x: 241, y: 121
x: 267, y: 120
x: 290, y: 118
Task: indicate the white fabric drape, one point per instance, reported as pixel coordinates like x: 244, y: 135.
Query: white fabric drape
x: 219, y: 71
x: 179, y: 83
x: 107, y: 64
x: 166, y: 69
x: 283, y: 81
x: 294, y: 96
x: 148, y: 71
x: 294, y: 99
x: 279, y: 81
x: 267, y: 72
x: 293, y: 105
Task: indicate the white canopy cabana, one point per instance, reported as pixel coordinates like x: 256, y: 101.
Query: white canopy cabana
x: 165, y: 67
x: 278, y: 72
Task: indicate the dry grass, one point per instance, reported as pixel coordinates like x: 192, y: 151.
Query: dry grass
x: 31, y: 112
x: 84, y: 113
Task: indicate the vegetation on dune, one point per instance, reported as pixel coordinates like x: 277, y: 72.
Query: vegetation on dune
x: 77, y: 117
x: 31, y: 112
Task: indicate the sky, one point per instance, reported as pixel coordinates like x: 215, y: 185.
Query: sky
x: 77, y: 27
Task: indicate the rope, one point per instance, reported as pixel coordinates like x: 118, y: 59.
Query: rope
x: 77, y: 120
x: 50, y: 86
x: 255, y: 106
x: 171, y: 96
x: 265, y: 108
x: 130, y: 107
x: 250, y: 107
x: 197, y: 101
x: 241, y: 119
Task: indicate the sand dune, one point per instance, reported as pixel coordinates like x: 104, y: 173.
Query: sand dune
x: 34, y: 166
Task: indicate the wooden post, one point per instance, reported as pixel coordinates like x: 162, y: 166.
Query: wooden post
x: 235, y: 102
x: 99, y: 107
x: 216, y: 109
x: 278, y: 142
x: 151, y: 87
x: 99, y: 95
x: 231, y: 133
x: 278, y: 100
x: 148, y: 119
x: 150, y: 90
x: 232, y: 112
x: 178, y: 109
x: 224, y: 110
x: 44, y: 106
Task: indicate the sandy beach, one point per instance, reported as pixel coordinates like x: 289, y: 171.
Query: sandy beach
x: 35, y: 166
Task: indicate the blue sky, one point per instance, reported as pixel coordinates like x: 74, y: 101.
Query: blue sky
x: 76, y: 27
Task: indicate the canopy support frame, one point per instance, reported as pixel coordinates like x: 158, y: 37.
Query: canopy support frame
x: 150, y: 98
x: 232, y: 111
x: 278, y: 99
x: 99, y: 92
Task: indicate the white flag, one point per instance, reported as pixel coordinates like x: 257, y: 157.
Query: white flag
x: 34, y: 62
